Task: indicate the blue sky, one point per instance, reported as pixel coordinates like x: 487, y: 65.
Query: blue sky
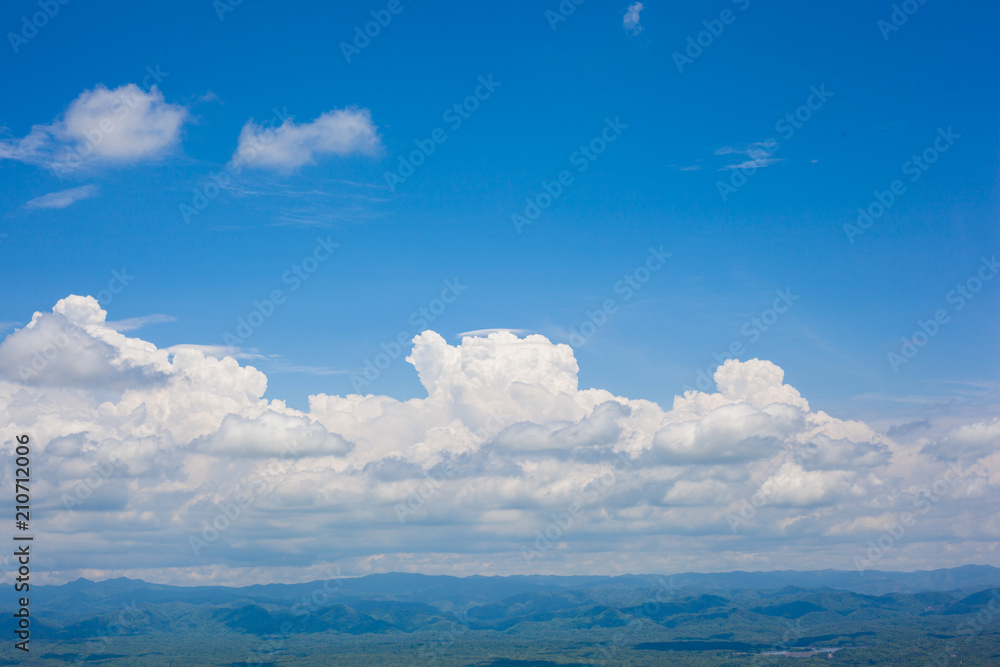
x: 888, y: 96
x: 452, y: 218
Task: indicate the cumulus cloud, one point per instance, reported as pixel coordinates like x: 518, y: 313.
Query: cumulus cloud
x: 631, y: 20
x: 123, y: 124
x: 63, y: 198
x: 504, y: 440
x: 70, y: 348
x: 338, y: 132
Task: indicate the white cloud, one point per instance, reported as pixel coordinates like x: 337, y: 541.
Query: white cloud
x: 133, y: 323
x: 758, y: 154
x: 63, y: 198
x: 337, y: 132
x: 504, y: 438
x: 631, y: 20
x: 272, y: 435
x: 976, y: 440
x: 120, y: 125
x: 123, y: 124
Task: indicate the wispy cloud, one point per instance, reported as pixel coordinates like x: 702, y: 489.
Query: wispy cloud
x: 63, y: 198
x: 631, y: 20
x: 216, y: 351
x: 274, y: 363
x: 133, y: 323
x: 910, y: 398
x: 305, y: 219
x: 758, y: 154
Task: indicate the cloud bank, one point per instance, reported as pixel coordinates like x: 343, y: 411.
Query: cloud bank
x: 506, y: 466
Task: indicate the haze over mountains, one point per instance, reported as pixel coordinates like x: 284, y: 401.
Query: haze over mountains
x: 873, y: 617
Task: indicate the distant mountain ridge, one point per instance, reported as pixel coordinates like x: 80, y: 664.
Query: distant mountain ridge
x: 879, y: 617
x: 967, y: 578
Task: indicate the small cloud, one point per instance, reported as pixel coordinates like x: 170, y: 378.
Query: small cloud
x: 693, y: 167
x: 63, y: 198
x: 631, y: 20
x: 209, y: 97
x: 133, y: 323
x: 337, y: 132
x: 759, y: 154
x: 124, y: 124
